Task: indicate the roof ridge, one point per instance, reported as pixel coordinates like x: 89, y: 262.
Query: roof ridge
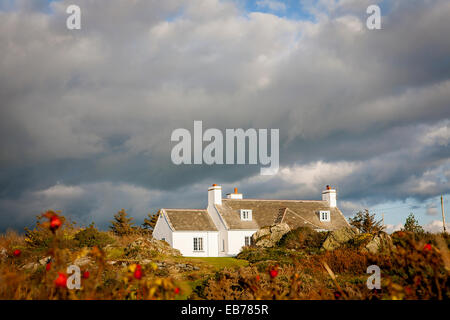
x: 181, y: 209
x: 281, y: 213
x: 250, y: 199
x: 298, y: 215
x: 167, y: 218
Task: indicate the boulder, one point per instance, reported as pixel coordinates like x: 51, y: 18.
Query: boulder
x: 31, y: 266
x: 268, y: 237
x: 83, y: 261
x: 338, y: 237
x: 378, y: 243
x: 45, y: 260
x: 3, y: 254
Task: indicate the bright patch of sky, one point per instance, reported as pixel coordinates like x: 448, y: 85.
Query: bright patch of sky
x: 397, y: 212
x: 291, y: 9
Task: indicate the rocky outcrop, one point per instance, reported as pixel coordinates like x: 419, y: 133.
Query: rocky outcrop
x: 143, y: 248
x: 372, y: 243
x: 177, y: 267
x: 338, y: 237
x: 268, y: 237
x: 379, y: 242
x: 35, y: 265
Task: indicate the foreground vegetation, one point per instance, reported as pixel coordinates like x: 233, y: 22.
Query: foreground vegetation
x: 125, y: 263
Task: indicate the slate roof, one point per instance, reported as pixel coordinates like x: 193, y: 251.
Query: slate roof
x: 295, y: 213
x: 189, y: 220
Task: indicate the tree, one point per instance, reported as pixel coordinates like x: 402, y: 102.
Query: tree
x: 150, y: 222
x: 412, y: 225
x: 122, y: 224
x: 366, y: 223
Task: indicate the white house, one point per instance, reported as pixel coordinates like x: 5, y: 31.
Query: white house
x: 226, y: 225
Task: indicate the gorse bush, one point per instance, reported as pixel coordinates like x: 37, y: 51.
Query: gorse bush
x: 418, y: 269
x: 303, y: 238
x: 281, y: 255
x: 91, y: 237
x: 41, y: 236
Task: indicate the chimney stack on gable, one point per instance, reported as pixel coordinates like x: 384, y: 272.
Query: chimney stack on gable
x: 214, y: 195
x: 329, y: 195
x: 234, y: 195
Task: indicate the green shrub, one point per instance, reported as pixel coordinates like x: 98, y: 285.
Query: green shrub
x: 41, y: 238
x: 281, y: 255
x: 91, y: 237
x: 303, y: 238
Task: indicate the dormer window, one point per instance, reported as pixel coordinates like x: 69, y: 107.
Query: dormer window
x: 246, y: 215
x: 324, y: 216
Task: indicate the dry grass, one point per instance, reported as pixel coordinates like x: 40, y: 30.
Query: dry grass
x: 414, y: 269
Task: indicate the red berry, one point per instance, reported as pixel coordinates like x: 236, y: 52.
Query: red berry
x: 273, y: 273
x: 258, y: 277
x: 176, y: 290
x: 48, y: 266
x: 138, y: 273
x: 138, y: 267
x: 17, y: 252
x: 427, y: 247
x: 61, y: 281
x: 55, y: 223
x: 86, y: 275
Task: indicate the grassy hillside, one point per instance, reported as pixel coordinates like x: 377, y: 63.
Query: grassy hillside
x: 133, y: 266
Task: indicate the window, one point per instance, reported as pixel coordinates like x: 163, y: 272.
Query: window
x: 163, y: 239
x: 246, y: 215
x: 248, y: 241
x: 198, y: 244
x: 324, y: 215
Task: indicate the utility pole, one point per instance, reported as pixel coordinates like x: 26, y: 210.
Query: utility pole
x: 443, y: 215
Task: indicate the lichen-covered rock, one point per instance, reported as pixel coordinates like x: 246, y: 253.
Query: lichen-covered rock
x: 268, y: 237
x: 338, y: 237
x: 378, y: 243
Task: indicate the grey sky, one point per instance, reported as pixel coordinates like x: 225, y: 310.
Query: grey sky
x: 86, y: 116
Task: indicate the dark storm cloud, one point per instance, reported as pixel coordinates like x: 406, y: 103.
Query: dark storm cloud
x: 86, y: 116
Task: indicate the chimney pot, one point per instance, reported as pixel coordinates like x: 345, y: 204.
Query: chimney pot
x: 235, y: 190
x: 214, y: 185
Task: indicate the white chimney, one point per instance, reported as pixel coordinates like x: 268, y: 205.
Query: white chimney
x: 329, y: 195
x: 214, y: 195
x: 234, y: 195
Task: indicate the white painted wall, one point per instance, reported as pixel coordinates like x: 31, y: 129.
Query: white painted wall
x: 214, y: 195
x: 184, y: 241
x: 220, y: 225
x: 330, y: 197
x: 162, y: 230
x: 236, y: 240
